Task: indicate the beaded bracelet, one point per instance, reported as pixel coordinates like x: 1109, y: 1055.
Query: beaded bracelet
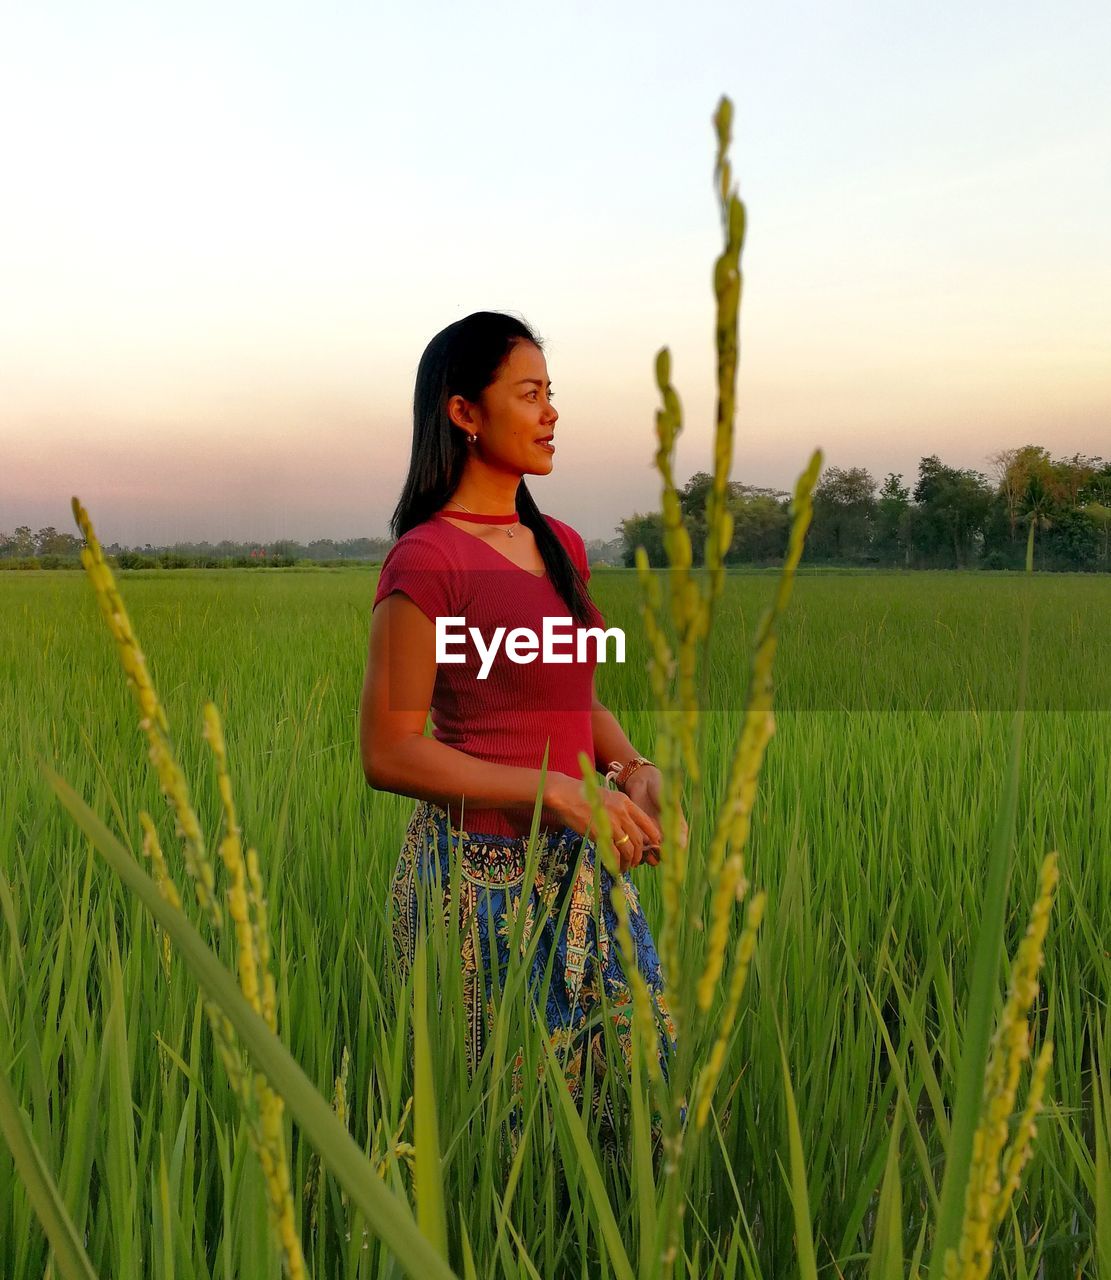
x: 620, y: 773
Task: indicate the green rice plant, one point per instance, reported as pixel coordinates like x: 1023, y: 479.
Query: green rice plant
x: 1101, y: 1163
x: 69, y: 1253
x: 387, y: 1214
x: 865, y: 839
x: 246, y: 903
x: 994, y: 1175
x: 700, y: 897
x: 262, y: 1103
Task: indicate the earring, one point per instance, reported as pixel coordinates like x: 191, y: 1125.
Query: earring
x: 471, y: 439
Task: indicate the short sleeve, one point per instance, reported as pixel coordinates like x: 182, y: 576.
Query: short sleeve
x: 421, y: 572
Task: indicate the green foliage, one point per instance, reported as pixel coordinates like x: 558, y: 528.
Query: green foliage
x: 869, y: 838
x: 891, y: 538
x: 953, y: 519
x: 844, y: 514
x: 643, y: 531
x: 952, y: 506
x: 760, y: 526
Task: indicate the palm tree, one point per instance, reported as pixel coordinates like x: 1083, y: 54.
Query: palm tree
x: 1036, y: 507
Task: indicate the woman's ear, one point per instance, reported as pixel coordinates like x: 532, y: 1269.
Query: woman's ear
x: 452, y: 409
x: 460, y: 414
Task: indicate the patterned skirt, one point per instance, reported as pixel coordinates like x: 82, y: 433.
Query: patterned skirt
x: 578, y: 939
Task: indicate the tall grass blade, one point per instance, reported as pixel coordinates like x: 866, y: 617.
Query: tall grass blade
x: 1101, y: 1098
x: 643, y: 1174
x: 431, y: 1217
x: 886, y: 1262
x: 607, y: 1223
x: 979, y: 1023
x: 70, y: 1258
x: 800, y: 1198
x: 388, y: 1216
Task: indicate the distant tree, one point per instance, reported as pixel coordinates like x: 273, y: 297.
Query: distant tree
x: 1013, y: 469
x: 693, y: 497
x: 1098, y: 488
x: 23, y: 542
x: 605, y: 551
x: 363, y: 548
x: 693, y: 500
x: 44, y: 540
x: 760, y: 527
x: 1039, y: 492
x: 645, y: 531
x: 1100, y: 516
x: 952, y: 507
x: 49, y: 542
x: 844, y: 507
x: 1073, y: 540
x: 1035, y: 491
x: 1040, y: 504
x: 694, y: 494
x: 1073, y: 475
x: 891, y: 525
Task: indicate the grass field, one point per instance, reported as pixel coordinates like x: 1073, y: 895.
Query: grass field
x: 875, y: 810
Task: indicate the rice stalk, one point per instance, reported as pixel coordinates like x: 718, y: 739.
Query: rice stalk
x: 994, y: 1175
x: 262, y: 1106
x: 687, y: 884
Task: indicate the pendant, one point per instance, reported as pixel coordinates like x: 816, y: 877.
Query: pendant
x: 510, y: 532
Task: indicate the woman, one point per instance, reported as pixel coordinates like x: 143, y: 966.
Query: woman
x: 472, y: 546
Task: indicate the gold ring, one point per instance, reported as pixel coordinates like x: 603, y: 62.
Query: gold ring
x: 623, y: 839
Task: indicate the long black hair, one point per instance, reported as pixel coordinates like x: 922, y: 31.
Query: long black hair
x: 464, y: 359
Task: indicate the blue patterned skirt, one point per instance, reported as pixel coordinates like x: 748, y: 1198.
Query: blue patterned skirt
x: 580, y: 943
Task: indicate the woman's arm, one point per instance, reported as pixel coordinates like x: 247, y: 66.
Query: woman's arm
x: 610, y: 742
x: 396, y: 754
x: 643, y: 785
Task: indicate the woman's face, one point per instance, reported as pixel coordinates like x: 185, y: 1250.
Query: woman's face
x: 517, y: 414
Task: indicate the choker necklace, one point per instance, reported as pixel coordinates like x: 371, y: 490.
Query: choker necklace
x: 480, y: 519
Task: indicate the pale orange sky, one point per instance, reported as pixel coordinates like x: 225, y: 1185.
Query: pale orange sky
x: 225, y: 242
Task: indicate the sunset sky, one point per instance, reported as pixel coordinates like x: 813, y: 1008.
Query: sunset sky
x: 228, y: 231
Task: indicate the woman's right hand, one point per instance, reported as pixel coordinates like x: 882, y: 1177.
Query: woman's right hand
x: 566, y: 798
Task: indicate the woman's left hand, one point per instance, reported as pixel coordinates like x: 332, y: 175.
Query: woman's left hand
x: 643, y: 788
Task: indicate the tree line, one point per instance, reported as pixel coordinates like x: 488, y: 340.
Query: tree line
x: 1055, y: 512
x: 1033, y: 509
x: 49, y: 549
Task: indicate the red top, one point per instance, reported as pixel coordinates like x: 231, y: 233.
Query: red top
x: 508, y: 717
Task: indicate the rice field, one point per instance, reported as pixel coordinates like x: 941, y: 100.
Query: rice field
x: 875, y: 811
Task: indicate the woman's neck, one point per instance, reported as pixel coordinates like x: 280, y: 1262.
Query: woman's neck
x: 485, y: 496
